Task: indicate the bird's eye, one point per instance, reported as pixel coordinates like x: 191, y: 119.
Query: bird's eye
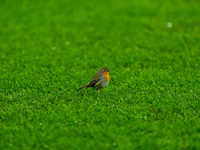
x: 104, y: 70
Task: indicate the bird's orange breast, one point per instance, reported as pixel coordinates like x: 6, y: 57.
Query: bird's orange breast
x: 106, y: 75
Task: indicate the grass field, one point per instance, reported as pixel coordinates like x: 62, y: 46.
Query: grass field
x: 48, y: 49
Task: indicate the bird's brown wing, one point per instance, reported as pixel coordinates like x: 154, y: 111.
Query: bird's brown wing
x: 95, y: 79
x: 92, y: 83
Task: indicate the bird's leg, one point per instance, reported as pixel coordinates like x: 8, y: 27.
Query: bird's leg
x: 99, y: 90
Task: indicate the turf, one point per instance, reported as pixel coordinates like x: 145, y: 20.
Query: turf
x: 48, y: 49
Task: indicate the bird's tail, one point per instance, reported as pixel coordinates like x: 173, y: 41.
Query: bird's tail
x: 83, y: 86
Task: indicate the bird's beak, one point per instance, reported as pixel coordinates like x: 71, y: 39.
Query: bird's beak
x: 109, y: 70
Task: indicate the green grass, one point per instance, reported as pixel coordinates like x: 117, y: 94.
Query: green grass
x: 48, y: 49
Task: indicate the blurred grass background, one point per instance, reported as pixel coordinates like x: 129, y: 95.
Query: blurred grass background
x: 50, y: 48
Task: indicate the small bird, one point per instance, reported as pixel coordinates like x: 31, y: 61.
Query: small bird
x: 100, y: 80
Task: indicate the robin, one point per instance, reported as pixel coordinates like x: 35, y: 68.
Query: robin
x: 100, y: 79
